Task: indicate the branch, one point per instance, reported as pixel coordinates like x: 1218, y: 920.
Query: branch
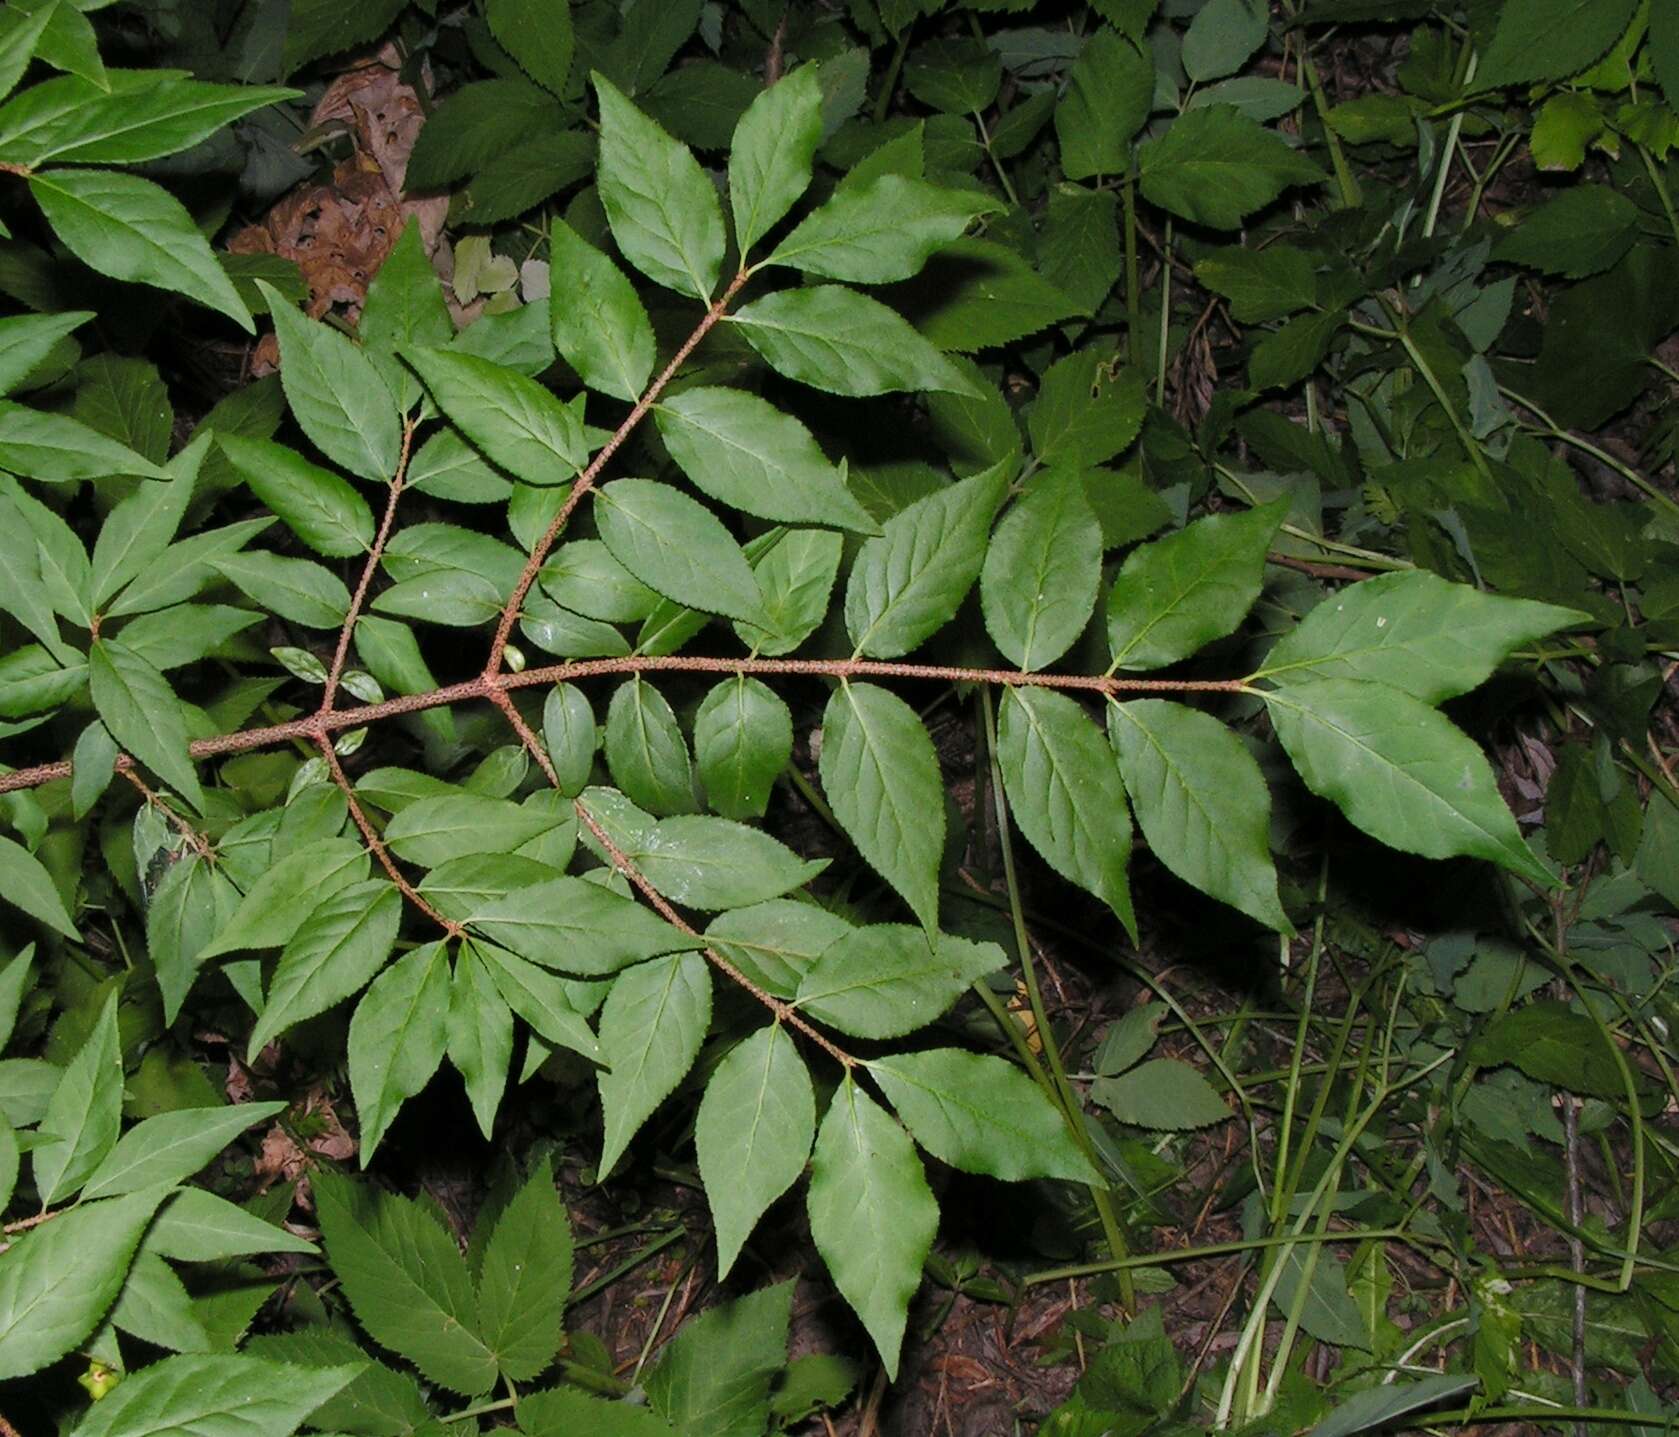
x: 784, y: 1012
x: 486, y: 687
x: 368, y: 569
x: 376, y: 844
x: 586, y: 480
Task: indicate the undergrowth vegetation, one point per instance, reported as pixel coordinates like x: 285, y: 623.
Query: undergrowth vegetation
x: 903, y: 666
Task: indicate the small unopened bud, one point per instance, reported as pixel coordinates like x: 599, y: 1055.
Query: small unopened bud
x: 513, y: 658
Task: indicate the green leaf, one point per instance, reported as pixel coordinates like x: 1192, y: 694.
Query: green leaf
x: 1579, y: 231
x: 26, y: 340
x: 1400, y: 771
x: 215, y: 1395
x: 60, y: 450
x: 568, y: 729
x: 889, y: 979
x: 880, y: 231
x: 1285, y: 356
x: 872, y: 1216
x: 742, y: 451
x: 336, y: 393
x: 775, y: 943
x: 434, y: 830
x: 1412, y: 631
x: 20, y: 34
x: 651, y: 1028
x: 155, y: 1307
x: 269, y: 914
x: 197, y: 1226
x: 714, y: 1378
x: 480, y: 1036
x: 336, y: 950
x: 143, y: 715
x: 795, y: 570
x: 184, y: 568
x: 397, y: 1038
x: 982, y: 1115
x: 1378, y: 1406
x: 562, y: 1411
x: 1201, y: 801
x: 1110, y: 91
x: 1163, y: 1095
x: 1038, y: 584
x: 753, y: 1134
x: 743, y: 740
x: 315, y: 504
x: 525, y: 1280
x: 663, y: 210
x: 600, y: 324
x: 518, y: 424
x: 578, y: 927
x: 406, y: 1281
x: 537, y: 34
x: 171, y: 1147
x: 713, y: 863
x: 139, y: 529
x: 979, y: 294
x: 326, y: 27
x: 404, y: 308
x: 676, y: 546
x: 476, y: 124
x: 296, y: 589
x: 59, y: 1279
x: 129, y: 228
x: 1261, y: 284
x: 1179, y: 593
x: 909, y: 581
x: 837, y: 340
x: 450, y: 468
x: 135, y: 116
x: 541, y: 999
x: 1065, y: 793
x: 1664, y: 51
x: 1214, y: 166
x: 1085, y: 413
x: 80, y: 1126
x: 1549, y: 39
x: 188, y: 908
x: 645, y: 750
x: 771, y: 154
x: 959, y: 76
x: 882, y: 778
x: 582, y: 575
x: 1221, y: 38
x: 93, y: 764
x: 522, y: 177
x: 1553, y: 1044
x: 25, y: 882
x: 16, y: 979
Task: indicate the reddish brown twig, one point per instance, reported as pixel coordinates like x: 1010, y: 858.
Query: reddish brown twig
x: 368, y: 570
x: 483, y: 688
x: 376, y: 845
x: 586, y: 480
x: 784, y: 1012
x: 200, y: 844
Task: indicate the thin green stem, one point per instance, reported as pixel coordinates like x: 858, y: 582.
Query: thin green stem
x: 1454, y: 128
x: 1346, y: 182
x: 1552, y: 430
x: 1133, y: 269
x: 1214, y: 1249
x: 1165, y: 314
x: 1662, y: 192
x: 1058, y: 1088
